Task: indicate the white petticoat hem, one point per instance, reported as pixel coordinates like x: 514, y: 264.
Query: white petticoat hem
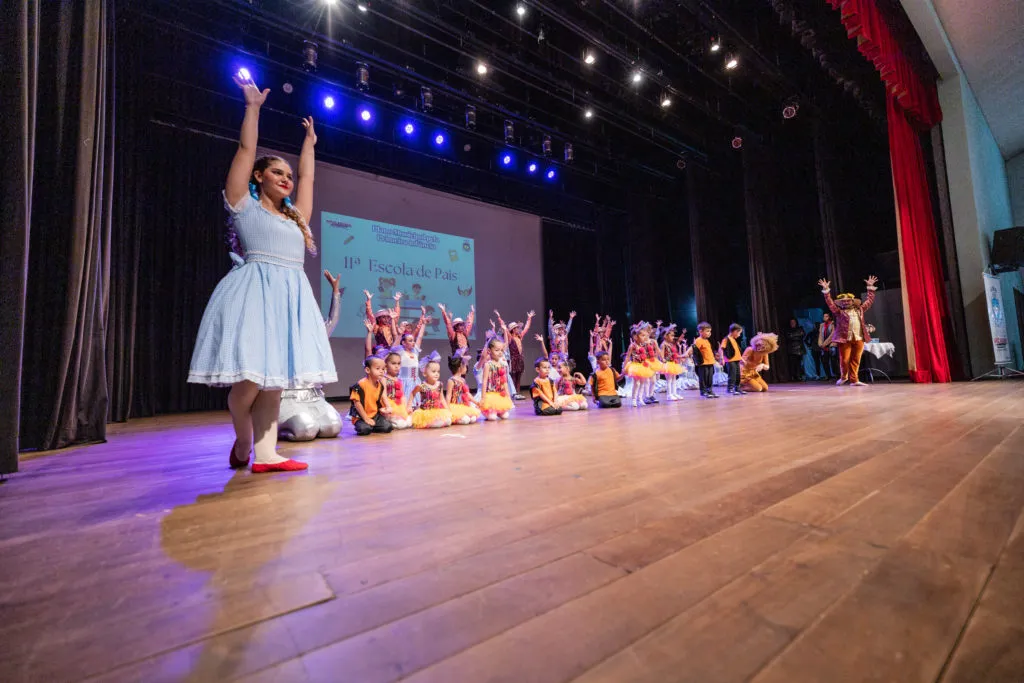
x: 226, y: 379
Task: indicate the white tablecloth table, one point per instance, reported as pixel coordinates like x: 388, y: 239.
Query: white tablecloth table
x: 879, y: 349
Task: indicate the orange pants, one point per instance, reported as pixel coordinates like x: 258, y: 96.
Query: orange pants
x: 849, y: 359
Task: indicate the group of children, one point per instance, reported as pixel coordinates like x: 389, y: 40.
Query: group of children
x: 400, y: 390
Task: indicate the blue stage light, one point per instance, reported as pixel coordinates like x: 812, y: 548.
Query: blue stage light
x: 328, y: 102
x: 365, y: 115
x: 409, y: 129
x: 506, y: 160
x: 551, y: 174
x: 244, y: 74
x: 439, y: 139
x: 532, y: 168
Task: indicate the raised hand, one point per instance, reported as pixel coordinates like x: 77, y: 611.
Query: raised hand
x: 334, y: 280
x: 472, y: 309
x: 423, y: 310
x: 572, y: 314
x: 871, y: 280
x: 492, y: 325
x: 539, y: 338
x: 657, y: 323
x: 369, y: 297
x: 253, y: 96
x: 368, y: 325
x: 398, y: 296
x: 441, y: 307
x: 307, y: 123
x: 824, y: 283
x: 531, y: 314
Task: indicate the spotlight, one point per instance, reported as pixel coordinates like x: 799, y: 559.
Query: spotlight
x: 330, y: 2
x: 550, y: 175
x: 681, y: 163
x: 510, y: 132
x: 790, y: 109
x: 409, y: 129
x: 716, y: 44
x: 637, y: 77
x: 481, y: 68
x: 731, y: 62
x: 362, y: 76
x: 545, y: 145
x: 244, y: 74
x: 288, y: 88
x: 588, y: 113
x: 589, y: 57
x: 426, y: 99
x: 570, y: 156
x: 309, y: 55
x: 521, y: 10
x: 470, y: 117
x: 362, y: 7
x: 737, y: 142
x: 666, y: 101
x: 328, y: 102
x: 365, y: 115
x: 532, y: 168
x: 506, y: 160
x: 439, y: 139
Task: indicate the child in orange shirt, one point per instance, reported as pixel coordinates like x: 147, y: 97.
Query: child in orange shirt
x: 543, y: 390
x: 731, y: 357
x: 370, y: 404
x: 604, y: 381
x: 704, y: 359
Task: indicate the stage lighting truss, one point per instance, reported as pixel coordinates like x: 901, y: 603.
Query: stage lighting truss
x: 309, y: 55
x: 426, y: 99
x: 545, y: 145
x: 362, y: 77
x: 510, y: 132
x: 570, y: 155
x: 470, y: 117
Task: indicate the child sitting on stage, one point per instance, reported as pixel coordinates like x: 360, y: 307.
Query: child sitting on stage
x: 543, y: 390
x: 433, y: 412
x: 394, y: 390
x: 370, y: 404
x: 568, y: 398
x: 603, y: 382
x: 463, y: 406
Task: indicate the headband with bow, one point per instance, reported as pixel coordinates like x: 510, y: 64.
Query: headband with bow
x: 434, y: 357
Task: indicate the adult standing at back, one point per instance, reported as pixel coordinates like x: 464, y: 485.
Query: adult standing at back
x: 262, y: 330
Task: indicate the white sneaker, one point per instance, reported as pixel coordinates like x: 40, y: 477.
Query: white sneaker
x: 841, y: 382
x: 859, y: 384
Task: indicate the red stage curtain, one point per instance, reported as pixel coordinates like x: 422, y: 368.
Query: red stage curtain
x: 926, y: 289
x: 866, y: 24
x: 913, y: 105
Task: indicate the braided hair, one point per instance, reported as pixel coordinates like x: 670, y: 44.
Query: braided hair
x: 287, y: 208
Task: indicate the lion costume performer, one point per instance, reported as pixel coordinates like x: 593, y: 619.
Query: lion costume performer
x: 755, y: 359
x: 850, y: 331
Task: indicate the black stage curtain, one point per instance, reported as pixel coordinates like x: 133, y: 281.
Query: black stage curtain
x: 824, y: 165
x: 60, y: 190
x: 765, y: 257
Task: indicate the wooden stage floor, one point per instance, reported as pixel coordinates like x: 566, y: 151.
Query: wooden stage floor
x: 811, y: 534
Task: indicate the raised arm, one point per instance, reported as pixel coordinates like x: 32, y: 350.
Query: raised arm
x: 307, y: 165
x: 237, y: 184
x: 369, y: 306
x: 869, y: 301
x: 529, y: 319
x: 827, y: 291
x: 335, y: 311
x: 447, y: 321
x: 501, y: 323
x: 421, y: 327
x: 470, y: 317
x: 543, y: 346
x: 369, y: 339
x: 568, y: 325
x: 551, y: 324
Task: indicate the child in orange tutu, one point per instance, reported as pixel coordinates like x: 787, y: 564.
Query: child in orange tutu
x: 461, y: 403
x: 567, y: 396
x: 393, y: 389
x: 433, y: 412
x: 496, y: 402
x: 637, y: 366
x: 654, y: 362
x: 673, y: 368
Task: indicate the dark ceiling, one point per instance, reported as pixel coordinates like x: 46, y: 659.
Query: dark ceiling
x: 787, y: 51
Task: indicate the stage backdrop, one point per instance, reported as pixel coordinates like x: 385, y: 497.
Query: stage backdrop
x: 389, y: 236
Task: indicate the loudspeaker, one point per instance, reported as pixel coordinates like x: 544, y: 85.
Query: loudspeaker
x: 1007, y: 250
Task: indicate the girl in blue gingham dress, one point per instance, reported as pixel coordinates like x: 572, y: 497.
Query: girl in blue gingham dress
x: 263, y: 330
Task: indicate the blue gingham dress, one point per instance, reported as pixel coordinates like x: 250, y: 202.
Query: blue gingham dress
x: 263, y: 323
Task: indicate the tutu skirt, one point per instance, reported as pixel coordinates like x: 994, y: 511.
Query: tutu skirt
x: 494, y: 402
x: 571, y: 402
x: 655, y: 366
x: 637, y: 371
x: 464, y: 415
x: 432, y: 418
x: 399, y: 417
x: 674, y: 369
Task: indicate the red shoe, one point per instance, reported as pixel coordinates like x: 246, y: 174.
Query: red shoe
x: 236, y: 463
x: 286, y: 466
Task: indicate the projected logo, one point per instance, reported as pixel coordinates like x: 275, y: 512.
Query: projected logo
x: 426, y: 267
